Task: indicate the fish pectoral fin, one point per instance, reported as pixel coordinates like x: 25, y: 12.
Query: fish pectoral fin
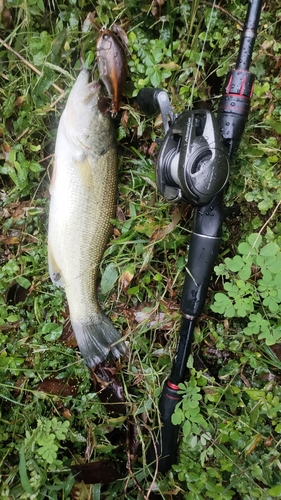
x: 85, y: 172
x: 54, y: 270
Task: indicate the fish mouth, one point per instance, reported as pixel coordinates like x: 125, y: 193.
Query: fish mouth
x: 91, y: 91
x: 93, y: 86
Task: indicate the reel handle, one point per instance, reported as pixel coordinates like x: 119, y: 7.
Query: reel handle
x: 151, y: 101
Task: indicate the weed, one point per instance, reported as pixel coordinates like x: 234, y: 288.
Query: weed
x: 253, y: 289
x: 51, y: 414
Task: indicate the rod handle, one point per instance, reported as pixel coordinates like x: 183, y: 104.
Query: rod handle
x: 166, y: 440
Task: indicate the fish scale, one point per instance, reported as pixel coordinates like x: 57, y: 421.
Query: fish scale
x: 83, y: 196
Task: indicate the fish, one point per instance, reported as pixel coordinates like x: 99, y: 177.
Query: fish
x: 83, y: 193
x: 112, y: 65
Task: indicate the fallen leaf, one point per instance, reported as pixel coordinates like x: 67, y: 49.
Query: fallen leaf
x: 124, y: 119
x: 120, y: 215
x: 126, y: 277
x: 133, y: 442
x: 58, y: 387
x: 9, y: 240
x: 159, y: 234
x: 109, y: 387
x: 170, y: 66
x: 276, y: 348
x: 66, y: 414
x: 67, y: 336
x: 102, y: 471
x: 252, y: 445
x: 268, y: 441
x: 154, y: 318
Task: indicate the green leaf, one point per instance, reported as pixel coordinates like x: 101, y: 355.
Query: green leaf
x: 60, y: 428
x: 234, y: 264
x: 245, y: 273
x: 275, y: 491
x: 109, y: 278
x: 270, y: 249
x: 186, y: 428
x: 156, y: 78
x: 278, y: 428
x: 193, y: 441
x: 49, y: 448
x: 96, y: 491
x: 51, y: 331
x: 275, y: 125
x: 24, y: 282
x: 255, y: 394
x: 254, y: 415
x: 23, y: 473
x: 255, y: 240
x: 272, y: 305
x: 177, y: 417
x: 250, y: 247
x: 40, y: 4
x: 244, y: 248
x: 274, y: 410
x: 12, y: 318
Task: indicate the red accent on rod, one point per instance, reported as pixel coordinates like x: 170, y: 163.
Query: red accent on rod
x: 229, y: 85
x: 173, y: 386
x: 237, y: 95
x: 176, y: 398
x: 243, y: 85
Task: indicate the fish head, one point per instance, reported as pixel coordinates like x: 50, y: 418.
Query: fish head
x: 84, y: 94
x: 81, y: 109
x: 82, y: 120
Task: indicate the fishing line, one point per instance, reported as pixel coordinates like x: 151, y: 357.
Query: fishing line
x: 201, y: 57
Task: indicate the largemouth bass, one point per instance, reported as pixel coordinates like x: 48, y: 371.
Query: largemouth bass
x: 83, y: 196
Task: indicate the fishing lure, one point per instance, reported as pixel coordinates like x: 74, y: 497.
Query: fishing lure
x: 112, y: 63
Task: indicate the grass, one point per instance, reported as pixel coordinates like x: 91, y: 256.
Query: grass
x: 55, y: 414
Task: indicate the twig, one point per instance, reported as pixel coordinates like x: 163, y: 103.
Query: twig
x: 265, y: 224
x: 129, y: 467
x: 156, y: 460
x: 22, y: 134
x: 216, y: 6
x: 156, y: 465
x: 129, y: 459
x: 29, y: 64
x: 269, y: 219
x: 46, y: 158
x: 57, y: 100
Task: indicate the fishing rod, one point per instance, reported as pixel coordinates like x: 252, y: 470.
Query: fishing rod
x: 193, y: 166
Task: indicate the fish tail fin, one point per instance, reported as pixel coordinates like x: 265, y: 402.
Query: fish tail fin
x: 95, y: 338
